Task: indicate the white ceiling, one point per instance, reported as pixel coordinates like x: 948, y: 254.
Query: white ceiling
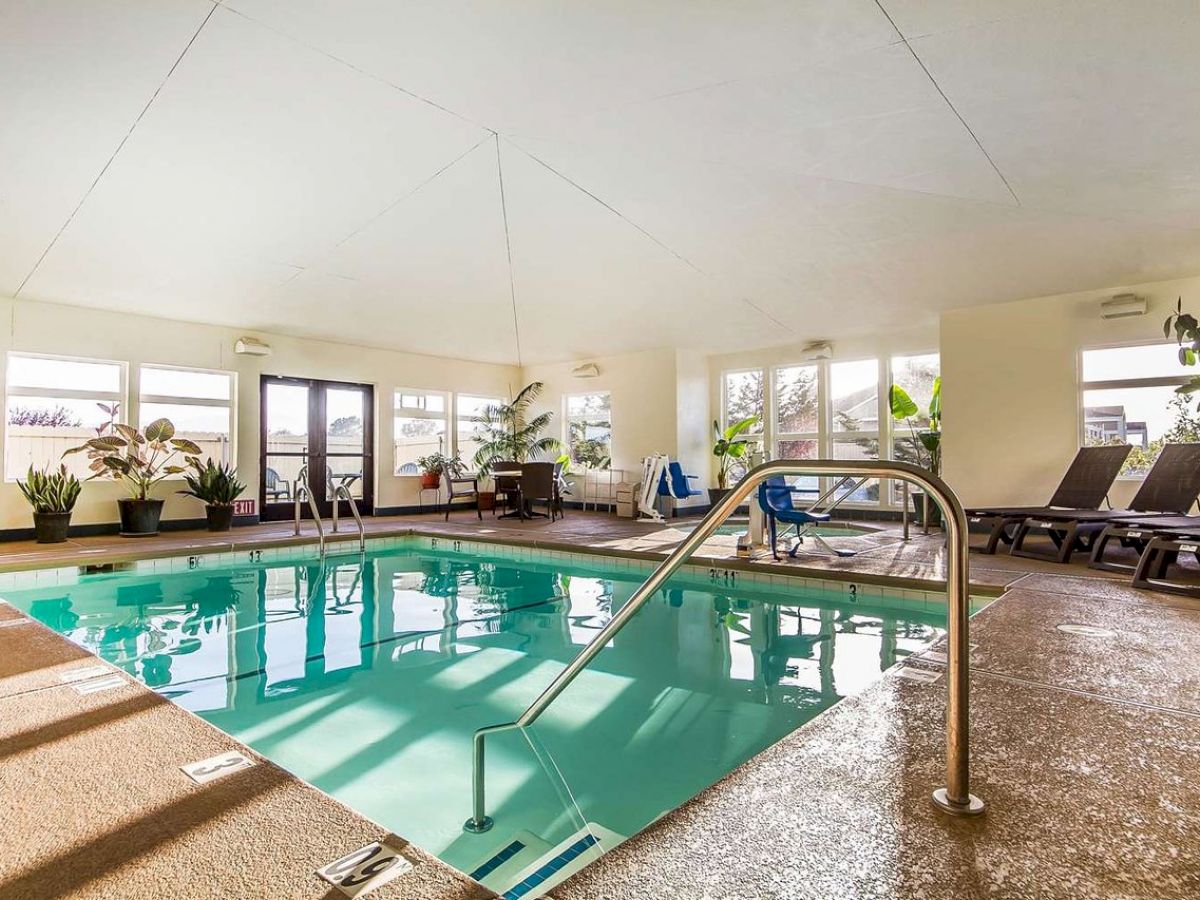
x: 695, y: 174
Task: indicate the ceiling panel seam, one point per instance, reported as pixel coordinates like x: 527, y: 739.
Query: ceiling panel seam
x: 512, y: 281
x: 119, y: 147
x: 352, y: 67
x: 937, y: 87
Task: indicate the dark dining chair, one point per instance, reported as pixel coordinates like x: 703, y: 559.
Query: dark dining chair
x: 508, y: 488
x: 459, y: 487
x: 538, y: 484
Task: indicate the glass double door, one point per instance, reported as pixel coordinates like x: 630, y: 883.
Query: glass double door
x: 320, y: 433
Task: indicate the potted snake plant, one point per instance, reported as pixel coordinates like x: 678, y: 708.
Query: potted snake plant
x: 217, y: 486
x: 52, y: 494
x: 139, y: 460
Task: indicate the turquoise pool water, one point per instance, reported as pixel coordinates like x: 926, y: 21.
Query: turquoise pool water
x: 368, y: 676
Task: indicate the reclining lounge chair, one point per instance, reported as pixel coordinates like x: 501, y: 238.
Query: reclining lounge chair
x: 1170, y: 489
x: 1153, y: 570
x: 1137, y: 534
x: 1085, y: 486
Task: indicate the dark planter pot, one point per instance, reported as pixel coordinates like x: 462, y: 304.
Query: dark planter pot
x: 51, y: 528
x: 220, y: 518
x: 429, y: 481
x: 139, y: 518
x: 715, y: 495
x: 487, y: 500
x: 935, y: 512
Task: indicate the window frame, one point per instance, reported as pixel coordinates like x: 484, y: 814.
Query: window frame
x: 121, y: 397
x: 455, y: 418
x: 446, y: 416
x: 1116, y: 384
x: 567, y: 419
x: 168, y: 399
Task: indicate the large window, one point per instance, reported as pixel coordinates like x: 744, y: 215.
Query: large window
x: 743, y: 394
x: 420, y: 428
x: 467, y: 410
x: 916, y: 375
x: 589, y: 429
x: 797, y: 420
x: 55, y: 403
x: 1128, y: 396
x: 854, y: 405
x: 199, y: 403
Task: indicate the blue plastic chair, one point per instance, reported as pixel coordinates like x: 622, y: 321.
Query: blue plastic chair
x: 775, y: 500
x: 679, y: 486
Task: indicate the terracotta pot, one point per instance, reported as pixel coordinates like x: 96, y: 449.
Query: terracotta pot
x: 430, y: 479
x: 139, y: 518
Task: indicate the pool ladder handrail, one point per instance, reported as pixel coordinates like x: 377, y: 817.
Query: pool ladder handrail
x: 955, y: 798
x: 342, y: 491
x: 303, y: 492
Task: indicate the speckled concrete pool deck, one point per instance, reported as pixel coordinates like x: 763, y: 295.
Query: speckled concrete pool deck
x: 1083, y: 745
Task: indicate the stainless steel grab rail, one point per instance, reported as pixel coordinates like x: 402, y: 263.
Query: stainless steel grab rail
x: 303, y: 488
x: 955, y: 798
x: 342, y: 491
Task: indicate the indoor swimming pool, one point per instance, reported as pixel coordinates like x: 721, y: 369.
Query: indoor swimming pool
x: 367, y: 676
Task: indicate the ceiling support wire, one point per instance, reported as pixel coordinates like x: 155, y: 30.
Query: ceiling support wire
x: 512, y: 281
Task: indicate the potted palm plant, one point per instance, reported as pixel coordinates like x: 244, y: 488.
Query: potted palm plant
x: 731, y: 444
x: 923, y: 446
x: 139, y: 460
x: 505, y: 431
x: 52, y: 494
x: 217, y: 485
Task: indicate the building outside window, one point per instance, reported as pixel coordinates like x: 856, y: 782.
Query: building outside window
x: 199, y: 403
x: 589, y: 429
x: 1127, y: 396
x: 55, y: 403
x: 420, y: 428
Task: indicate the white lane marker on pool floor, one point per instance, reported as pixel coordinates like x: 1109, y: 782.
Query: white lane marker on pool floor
x: 218, y: 766
x: 73, y: 675
x: 365, y: 869
x: 96, y: 685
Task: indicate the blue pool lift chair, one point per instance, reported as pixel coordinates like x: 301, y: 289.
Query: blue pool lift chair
x: 775, y: 500
x: 675, y: 483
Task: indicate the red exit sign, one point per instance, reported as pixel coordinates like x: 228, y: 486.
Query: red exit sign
x: 245, y: 507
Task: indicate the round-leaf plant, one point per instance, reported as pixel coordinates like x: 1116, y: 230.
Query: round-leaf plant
x: 138, y: 459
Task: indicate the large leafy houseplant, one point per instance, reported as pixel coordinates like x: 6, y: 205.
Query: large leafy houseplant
x: 52, y: 494
x: 139, y: 460
x: 924, y: 443
x: 924, y: 440
x: 1187, y: 334
x: 732, y: 444
x: 506, y: 432
x: 217, y: 485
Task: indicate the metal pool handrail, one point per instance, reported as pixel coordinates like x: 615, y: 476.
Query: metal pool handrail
x: 342, y: 491
x: 302, y: 486
x: 955, y: 798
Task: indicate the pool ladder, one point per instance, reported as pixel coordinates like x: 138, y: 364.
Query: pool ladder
x: 340, y: 492
x: 955, y: 798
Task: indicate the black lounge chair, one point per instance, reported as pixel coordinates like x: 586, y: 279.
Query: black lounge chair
x: 1170, y: 489
x: 1153, y: 571
x: 1085, y: 486
x: 1136, y: 534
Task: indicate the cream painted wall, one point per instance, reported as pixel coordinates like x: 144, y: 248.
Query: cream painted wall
x: 72, y: 331
x: 1011, y: 387
x: 656, y: 395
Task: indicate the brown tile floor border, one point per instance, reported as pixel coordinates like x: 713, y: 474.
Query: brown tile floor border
x: 93, y: 805
x: 1088, y: 800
